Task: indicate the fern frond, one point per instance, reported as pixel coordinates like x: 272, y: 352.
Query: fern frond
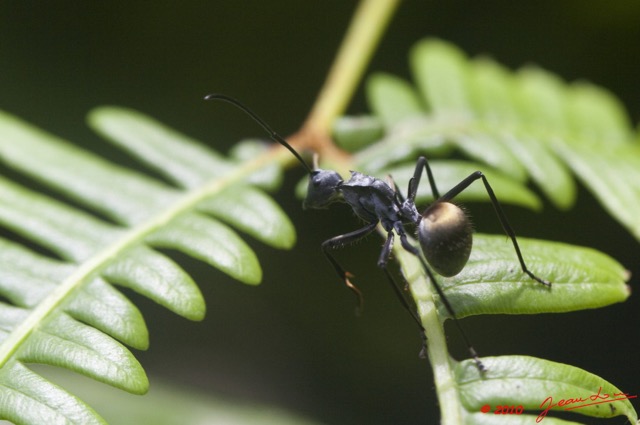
x: 528, y: 124
x: 492, y: 283
x: 66, y: 311
x: 521, y: 126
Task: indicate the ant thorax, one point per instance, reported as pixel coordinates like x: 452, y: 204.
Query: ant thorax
x: 374, y: 200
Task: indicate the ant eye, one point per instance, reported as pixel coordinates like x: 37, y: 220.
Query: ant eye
x: 316, y: 178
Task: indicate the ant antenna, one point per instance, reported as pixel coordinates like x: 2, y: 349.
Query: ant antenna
x: 274, y: 136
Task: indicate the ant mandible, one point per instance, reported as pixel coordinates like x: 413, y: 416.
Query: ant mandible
x: 443, y: 229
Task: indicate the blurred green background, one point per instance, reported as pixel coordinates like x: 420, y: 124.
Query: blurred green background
x: 294, y: 342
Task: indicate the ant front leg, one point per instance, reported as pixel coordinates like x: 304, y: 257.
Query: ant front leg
x: 397, y: 195
x: 415, y: 180
x: 339, y: 241
x: 499, y: 212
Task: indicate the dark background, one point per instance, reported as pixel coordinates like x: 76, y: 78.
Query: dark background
x: 294, y: 341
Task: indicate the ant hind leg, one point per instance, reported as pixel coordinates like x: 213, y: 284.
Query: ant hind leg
x: 502, y: 217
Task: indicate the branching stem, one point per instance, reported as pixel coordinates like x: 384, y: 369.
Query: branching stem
x: 367, y: 26
x: 365, y: 30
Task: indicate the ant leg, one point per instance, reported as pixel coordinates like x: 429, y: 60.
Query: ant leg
x: 415, y: 180
x: 413, y: 250
x: 398, y: 198
x: 382, y: 263
x: 342, y: 240
x: 499, y: 212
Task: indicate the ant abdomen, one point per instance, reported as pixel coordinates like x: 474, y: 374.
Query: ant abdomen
x: 445, y: 235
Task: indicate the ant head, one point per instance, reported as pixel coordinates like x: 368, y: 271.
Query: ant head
x: 323, y: 189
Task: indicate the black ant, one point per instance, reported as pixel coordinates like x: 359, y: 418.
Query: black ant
x: 443, y: 229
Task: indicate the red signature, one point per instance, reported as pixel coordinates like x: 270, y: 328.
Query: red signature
x: 580, y: 402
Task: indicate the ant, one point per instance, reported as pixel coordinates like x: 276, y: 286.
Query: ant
x: 443, y: 229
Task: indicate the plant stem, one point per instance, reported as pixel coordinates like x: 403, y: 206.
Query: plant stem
x: 367, y: 26
x: 443, y: 374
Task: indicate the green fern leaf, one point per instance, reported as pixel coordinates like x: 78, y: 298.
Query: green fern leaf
x: 354, y: 133
x: 536, y: 385
x: 493, y: 283
x: 27, y: 398
x: 170, y: 153
x: 527, y: 124
x: 66, y: 311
